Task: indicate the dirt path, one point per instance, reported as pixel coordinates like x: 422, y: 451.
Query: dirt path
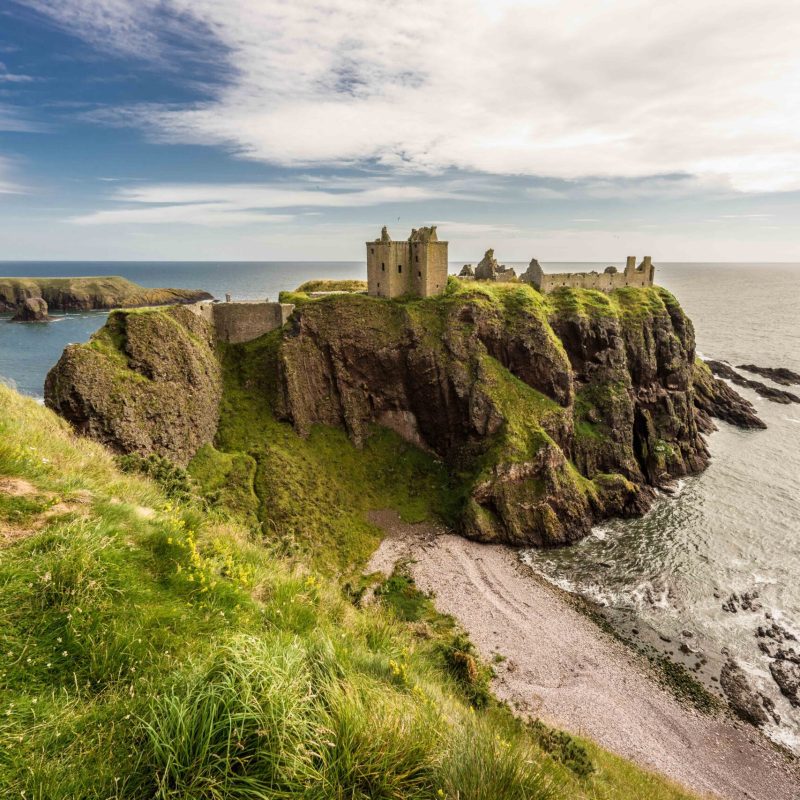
x: 560, y: 667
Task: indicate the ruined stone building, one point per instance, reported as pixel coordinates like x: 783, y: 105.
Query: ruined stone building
x: 489, y: 269
x: 610, y: 278
x: 416, y: 266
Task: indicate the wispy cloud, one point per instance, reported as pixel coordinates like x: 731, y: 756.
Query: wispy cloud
x: 242, y: 203
x: 10, y: 77
x: 18, y: 120
x: 649, y: 88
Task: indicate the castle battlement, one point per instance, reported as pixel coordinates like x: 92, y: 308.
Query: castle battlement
x: 414, y: 266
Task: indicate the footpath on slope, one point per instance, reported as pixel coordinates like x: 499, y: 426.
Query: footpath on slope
x: 560, y: 667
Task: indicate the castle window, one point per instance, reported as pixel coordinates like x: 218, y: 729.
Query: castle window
x: 416, y: 257
x: 399, y: 267
x: 372, y: 251
x: 419, y: 274
x: 383, y: 267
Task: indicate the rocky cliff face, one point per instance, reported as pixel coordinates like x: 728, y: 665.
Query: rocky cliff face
x: 556, y: 410
x: 550, y: 411
x: 148, y: 382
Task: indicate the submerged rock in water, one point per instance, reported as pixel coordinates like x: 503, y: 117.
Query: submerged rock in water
x: 725, y: 370
x: 743, y: 699
x: 787, y: 675
x: 747, y: 601
x: 33, y: 309
x: 714, y: 398
x: 781, y: 375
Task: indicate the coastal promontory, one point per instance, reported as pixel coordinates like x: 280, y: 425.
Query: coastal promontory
x: 548, y: 412
x: 90, y: 293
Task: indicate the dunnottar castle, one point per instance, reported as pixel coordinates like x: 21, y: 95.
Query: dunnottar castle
x: 418, y: 266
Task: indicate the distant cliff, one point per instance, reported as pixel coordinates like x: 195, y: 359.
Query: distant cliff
x: 549, y: 412
x: 93, y: 293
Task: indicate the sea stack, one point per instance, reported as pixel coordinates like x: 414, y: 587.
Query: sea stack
x: 33, y: 309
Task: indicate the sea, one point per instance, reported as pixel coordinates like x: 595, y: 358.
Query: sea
x: 662, y: 579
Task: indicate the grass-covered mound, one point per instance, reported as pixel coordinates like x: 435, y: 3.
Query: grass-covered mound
x: 152, y: 648
x: 303, y: 293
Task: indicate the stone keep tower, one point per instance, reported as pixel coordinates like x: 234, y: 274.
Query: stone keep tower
x: 417, y: 266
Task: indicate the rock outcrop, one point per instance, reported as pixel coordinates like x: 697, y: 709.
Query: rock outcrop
x: 147, y: 382
x: 34, y: 309
x: 781, y: 375
x: 714, y: 398
x: 88, y: 294
x: 725, y: 370
x: 557, y: 414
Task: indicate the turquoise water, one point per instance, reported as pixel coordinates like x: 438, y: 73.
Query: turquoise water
x: 734, y: 528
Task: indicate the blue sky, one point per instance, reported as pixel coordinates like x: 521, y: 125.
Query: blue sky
x: 261, y: 130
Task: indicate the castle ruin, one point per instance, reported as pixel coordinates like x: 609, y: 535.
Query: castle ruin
x: 611, y: 278
x: 416, y: 266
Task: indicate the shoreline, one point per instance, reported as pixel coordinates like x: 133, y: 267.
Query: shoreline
x: 560, y: 666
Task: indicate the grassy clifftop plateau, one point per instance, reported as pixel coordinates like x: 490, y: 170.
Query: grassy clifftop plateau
x: 151, y: 646
x: 86, y: 294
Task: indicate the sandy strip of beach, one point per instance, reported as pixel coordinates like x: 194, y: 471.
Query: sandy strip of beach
x: 560, y: 667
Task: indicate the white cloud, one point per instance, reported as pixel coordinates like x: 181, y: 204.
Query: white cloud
x: 215, y: 214
x: 237, y: 204
x: 568, y: 89
x: 10, y: 77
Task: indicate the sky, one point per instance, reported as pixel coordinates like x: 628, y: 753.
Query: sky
x: 566, y: 130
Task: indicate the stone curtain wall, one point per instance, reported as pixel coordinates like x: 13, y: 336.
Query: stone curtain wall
x: 243, y: 322
x: 604, y: 281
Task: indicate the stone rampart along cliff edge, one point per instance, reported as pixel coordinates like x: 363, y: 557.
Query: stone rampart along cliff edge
x: 608, y: 280
x: 553, y: 411
x: 237, y: 322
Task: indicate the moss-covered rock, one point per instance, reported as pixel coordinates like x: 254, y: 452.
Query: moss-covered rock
x: 147, y: 382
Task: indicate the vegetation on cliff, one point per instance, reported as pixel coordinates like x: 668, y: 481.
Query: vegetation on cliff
x: 152, y: 647
x: 86, y: 294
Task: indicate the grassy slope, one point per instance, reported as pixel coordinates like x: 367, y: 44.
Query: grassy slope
x: 153, y: 650
x: 312, y: 494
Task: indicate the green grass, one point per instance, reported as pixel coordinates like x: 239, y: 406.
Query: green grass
x: 152, y: 649
x: 311, y: 495
x: 301, y: 295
